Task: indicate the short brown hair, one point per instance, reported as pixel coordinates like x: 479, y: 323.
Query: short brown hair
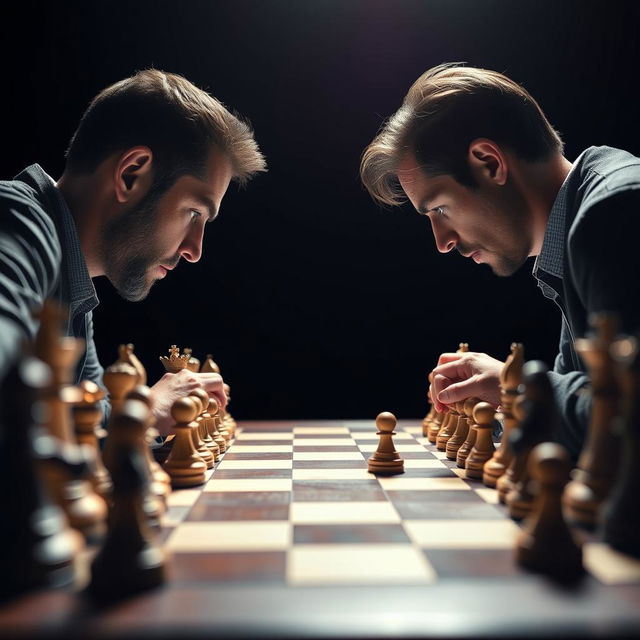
x: 447, y: 108
x: 170, y: 115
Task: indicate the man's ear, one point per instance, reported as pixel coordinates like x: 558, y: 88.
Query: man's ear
x: 133, y: 174
x: 488, y: 162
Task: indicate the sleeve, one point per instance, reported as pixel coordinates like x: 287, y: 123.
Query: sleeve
x: 29, y: 269
x: 605, y: 270
x: 92, y: 369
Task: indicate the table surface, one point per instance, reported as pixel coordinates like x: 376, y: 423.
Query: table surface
x: 291, y: 537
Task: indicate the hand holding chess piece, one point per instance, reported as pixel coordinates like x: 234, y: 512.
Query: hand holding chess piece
x: 385, y: 460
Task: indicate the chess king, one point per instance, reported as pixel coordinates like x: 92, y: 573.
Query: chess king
x: 474, y: 153
x: 146, y: 169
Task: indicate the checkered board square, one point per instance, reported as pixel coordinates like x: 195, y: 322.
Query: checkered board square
x: 293, y: 503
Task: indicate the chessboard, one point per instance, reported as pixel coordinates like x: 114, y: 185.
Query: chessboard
x: 290, y: 536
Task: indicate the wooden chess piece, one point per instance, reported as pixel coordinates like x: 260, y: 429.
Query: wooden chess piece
x: 209, y: 366
x: 545, y: 544
x: 385, y: 460
x: 621, y: 527
x: 204, y: 421
x: 427, y: 421
x: 510, y: 379
x: 436, y: 425
x: 227, y: 418
x: 460, y: 434
x: 174, y: 362
x: 87, y: 419
x: 600, y: 456
x: 159, y: 480
x: 450, y: 425
x: 214, y: 410
x: 37, y: 547
x: 131, y: 559
x: 483, y: 449
x: 193, y: 364
x: 84, y: 508
x: 198, y: 442
x: 537, y: 416
x: 184, y: 464
x: 470, y: 440
x: 126, y: 354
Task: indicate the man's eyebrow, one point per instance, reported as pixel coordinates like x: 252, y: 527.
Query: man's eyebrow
x: 424, y: 208
x: 211, y: 205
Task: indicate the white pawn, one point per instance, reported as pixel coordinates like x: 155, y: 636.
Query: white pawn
x: 386, y: 459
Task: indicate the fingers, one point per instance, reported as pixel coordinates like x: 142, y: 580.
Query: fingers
x: 448, y: 357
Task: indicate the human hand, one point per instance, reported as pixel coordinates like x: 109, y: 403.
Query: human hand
x: 459, y: 376
x: 173, y: 386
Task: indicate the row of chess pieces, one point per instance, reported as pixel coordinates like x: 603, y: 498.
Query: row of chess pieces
x: 533, y: 475
x: 77, y: 514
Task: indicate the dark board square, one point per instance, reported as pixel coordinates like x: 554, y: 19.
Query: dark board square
x: 198, y: 568
x: 469, y: 563
x: 230, y: 474
x: 337, y: 491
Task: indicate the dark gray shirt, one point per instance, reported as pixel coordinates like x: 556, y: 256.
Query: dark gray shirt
x: 590, y: 262
x: 40, y: 258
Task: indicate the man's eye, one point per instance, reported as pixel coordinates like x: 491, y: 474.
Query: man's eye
x: 439, y: 210
x: 195, y: 214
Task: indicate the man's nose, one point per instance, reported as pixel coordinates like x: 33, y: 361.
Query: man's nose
x: 445, y: 237
x: 191, y: 247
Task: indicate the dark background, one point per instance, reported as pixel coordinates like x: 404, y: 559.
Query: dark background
x: 315, y: 302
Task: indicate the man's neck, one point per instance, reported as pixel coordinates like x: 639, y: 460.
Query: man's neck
x: 80, y: 194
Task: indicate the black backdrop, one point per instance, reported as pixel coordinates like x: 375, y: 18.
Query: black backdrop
x: 315, y: 302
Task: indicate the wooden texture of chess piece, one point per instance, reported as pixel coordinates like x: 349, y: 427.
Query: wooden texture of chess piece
x: 128, y: 425
x: 87, y: 419
x: 193, y: 364
x: 174, y: 362
x: 450, y: 425
x: 436, y: 425
x: 510, y: 380
x: 84, y: 508
x: 545, y: 544
x: 385, y: 460
x: 227, y: 418
x: 198, y: 442
x: 600, y: 456
x: 214, y: 409
x: 184, y: 464
x: 159, y: 480
x: 483, y: 449
x: 460, y: 434
x: 126, y: 353
x: 209, y: 366
x: 621, y: 527
x: 204, y: 422
x: 131, y: 559
x: 427, y: 421
x: 470, y: 440
x: 37, y: 546
x: 537, y: 417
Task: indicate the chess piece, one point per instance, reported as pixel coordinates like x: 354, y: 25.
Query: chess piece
x: 435, y: 426
x: 193, y: 364
x: 460, y: 434
x: 227, y: 418
x: 386, y: 460
x: 175, y: 362
x: 450, y: 425
x: 209, y: 366
x: 510, y: 379
x: 537, y: 416
x: 184, y: 464
x: 483, y: 449
x: 427, y: 421
x: 126, y: 354
x: 84, y: 508
x: 204, y: 422
x: 545, y: 544
x: 159, y: 480
x: 87, y: 419
x: 214, y: 411
x: 198, y: 442
x: 467, y: 445
x: 37, y: 547
x: 622, y: 517
x: 599, y: 459
x: 120, y: 378
x: 131, y: 560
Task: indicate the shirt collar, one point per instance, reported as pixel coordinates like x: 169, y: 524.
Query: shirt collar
x: 81, y: 291
x: 551, y: 258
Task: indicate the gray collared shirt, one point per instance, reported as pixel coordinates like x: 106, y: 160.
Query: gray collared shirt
x: 41, y: 258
